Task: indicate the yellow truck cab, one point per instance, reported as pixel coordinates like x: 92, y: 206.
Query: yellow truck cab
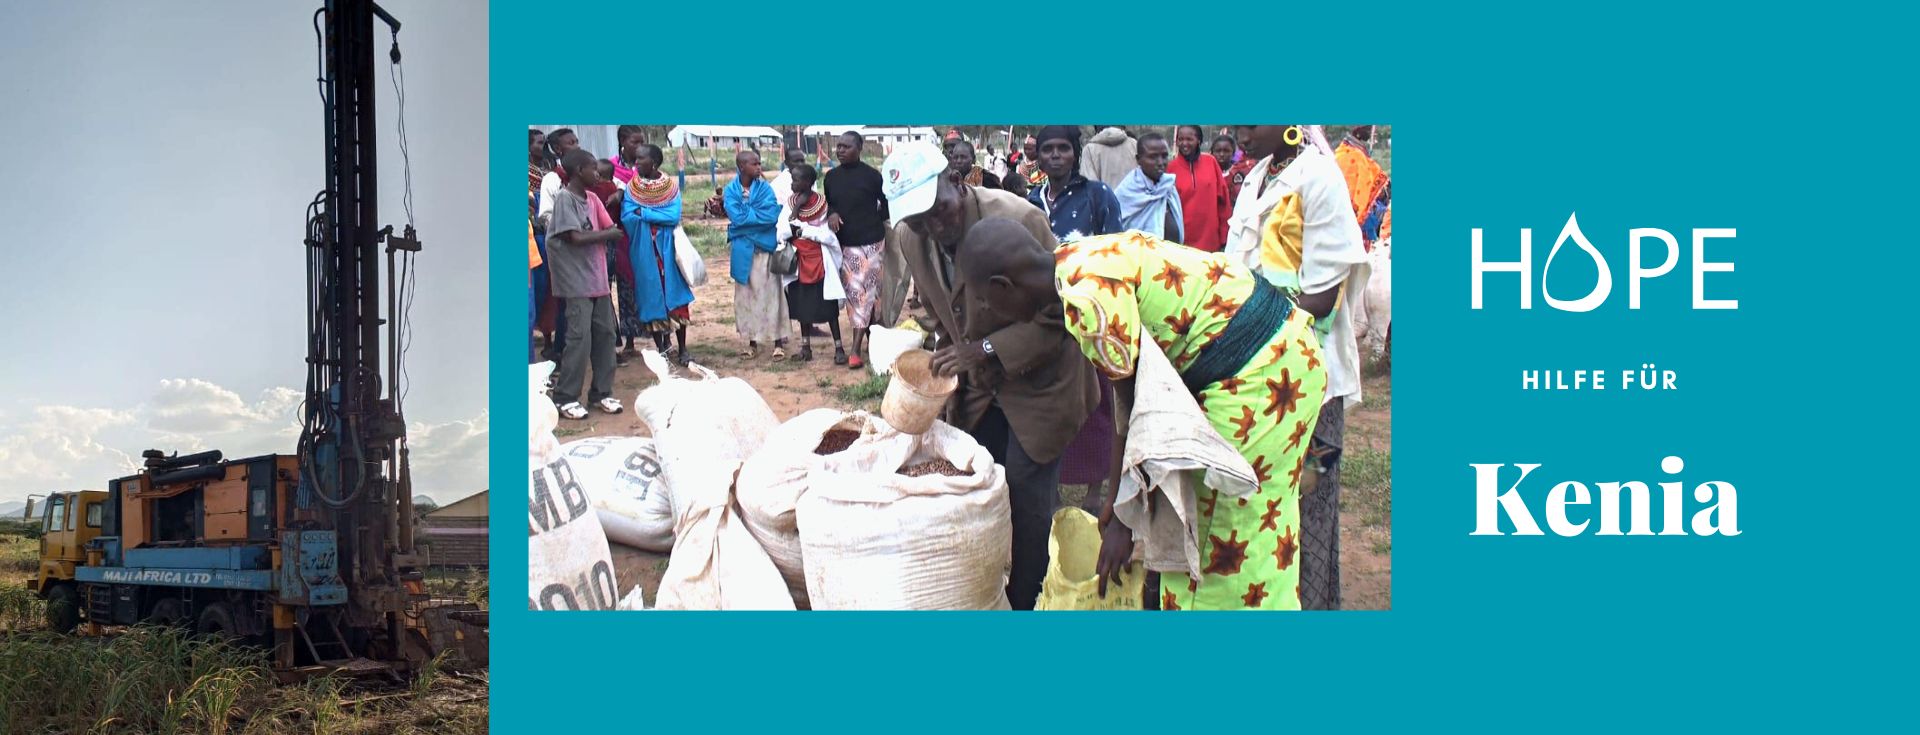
x: 69, y: 521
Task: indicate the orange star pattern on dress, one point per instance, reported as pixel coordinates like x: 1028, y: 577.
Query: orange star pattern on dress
x: 1313, y: 361
x: 1299, y: 432
x: 1222, y: 308
x: 1210, y: 500
x: 1261, y: 468
x: 1269, y: 520
x: 1065, y: 251
x: 1117, y: 329
x: 1168, y: 601
x: 1173, y: 278
x: 1279, y: 350
x: 1226, y: 556
x: 1113, y: 286
x: 1110, y: 249
x: 1284, y: 394
x: 1283, y: 554
x: 1232, y: 385
x: 1245, y: 422
x: 1216, y: 270
x: 1294, y: 474
x: 1180, y: 323
x: 1255, y: 593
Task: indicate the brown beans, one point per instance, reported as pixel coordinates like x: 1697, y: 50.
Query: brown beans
x: 936, y: 467
x: 836, y: 440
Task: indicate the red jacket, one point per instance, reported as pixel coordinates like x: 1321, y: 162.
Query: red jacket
x: 1204, y: 205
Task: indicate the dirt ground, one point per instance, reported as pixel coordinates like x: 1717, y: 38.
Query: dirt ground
x: 794, y: 388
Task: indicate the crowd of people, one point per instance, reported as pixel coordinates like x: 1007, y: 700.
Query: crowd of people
x: 1040, y: 275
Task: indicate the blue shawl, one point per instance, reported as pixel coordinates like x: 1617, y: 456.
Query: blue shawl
x: 750, y: 223
x: 658, y: 286
x: 1144, y: 204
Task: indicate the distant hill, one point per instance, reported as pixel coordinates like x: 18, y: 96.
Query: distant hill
x: 12, y: 508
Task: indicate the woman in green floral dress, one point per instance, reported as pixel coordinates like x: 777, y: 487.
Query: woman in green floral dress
x: 1260, y: 382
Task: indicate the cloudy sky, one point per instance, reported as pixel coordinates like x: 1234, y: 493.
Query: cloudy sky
x: 152, y: 292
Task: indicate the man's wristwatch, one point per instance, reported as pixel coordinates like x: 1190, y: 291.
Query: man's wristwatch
x: 986, y: 345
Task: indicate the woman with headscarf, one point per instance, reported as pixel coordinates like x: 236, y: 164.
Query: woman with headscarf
x: 658, y: 299
x: 1204, y: 206
x: 1077, y: 207
x: 1293, y: 225
x: 1245, y: 352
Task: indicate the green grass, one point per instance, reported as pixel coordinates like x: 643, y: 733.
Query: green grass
x: 864, y: 395
x: 1366, y: 479
x: 161, y: 680
x: 20, y: 609
x: 19, y: 556
x: 709, y: 241
x: 16, y: 526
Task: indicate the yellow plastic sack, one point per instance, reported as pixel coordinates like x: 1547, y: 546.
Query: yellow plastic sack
x: 1073, y: 548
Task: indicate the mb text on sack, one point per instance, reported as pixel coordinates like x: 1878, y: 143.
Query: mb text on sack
x: 569, y: 564
x: 1073, y: 549
x: 908, y: 522
x: 622, y: 478
x: 774, y: 478
x: 703, y: 430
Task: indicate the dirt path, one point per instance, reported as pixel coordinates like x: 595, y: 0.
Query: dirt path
x: 794, y: 388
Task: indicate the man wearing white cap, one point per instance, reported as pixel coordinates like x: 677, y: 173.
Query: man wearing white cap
x: 1025, y: 388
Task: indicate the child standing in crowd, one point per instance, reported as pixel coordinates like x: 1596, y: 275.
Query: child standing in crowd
x: 814, y: 290
x: 607, y: 193
x: 577, y: 263
x: 759, y: 312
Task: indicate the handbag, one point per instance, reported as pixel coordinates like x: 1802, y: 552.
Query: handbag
x: 785, y: 261
x: 692, y: 268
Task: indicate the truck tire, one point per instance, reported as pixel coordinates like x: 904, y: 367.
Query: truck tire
x: 216, y: 621
x: 168, y: 611
x: 63, y: 608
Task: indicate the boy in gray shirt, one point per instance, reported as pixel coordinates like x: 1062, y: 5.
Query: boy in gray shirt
x: 577, y: 263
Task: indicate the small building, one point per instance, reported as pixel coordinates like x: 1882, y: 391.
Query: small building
x: 724, y: 137
x: 455, y: 534
x: 888, y: 137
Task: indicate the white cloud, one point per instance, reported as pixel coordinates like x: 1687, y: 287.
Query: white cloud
x: 449, y: 460
x: 58, y: 446
x: 68, y: 447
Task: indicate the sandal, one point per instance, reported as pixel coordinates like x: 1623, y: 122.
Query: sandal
x: 855, y: 363
x: 573, y: 411
x: 610, y: 405
x: 779, y: 354
x: 749, y: 353
x: 806, y: 355
x: 839, y: 356
x: 682, y: 357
